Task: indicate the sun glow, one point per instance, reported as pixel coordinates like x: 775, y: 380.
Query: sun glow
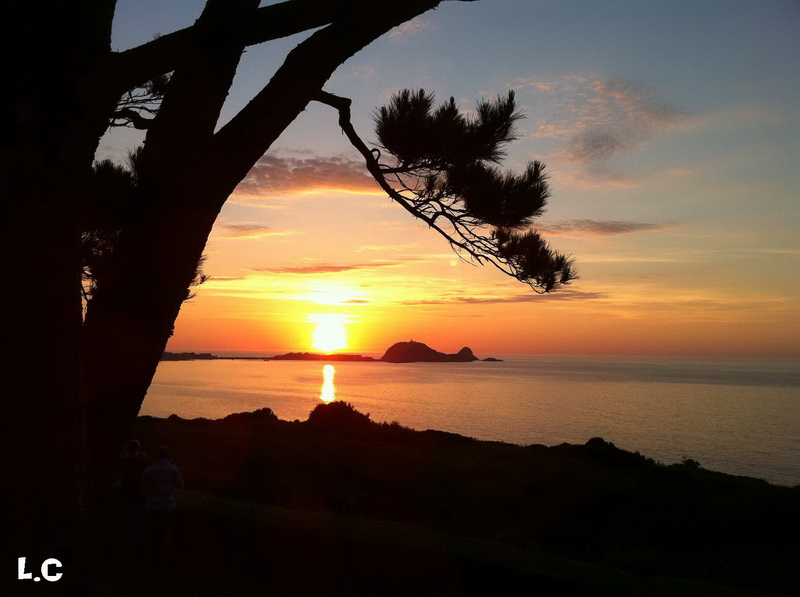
x: 329, y: 334
x: 331, y: 295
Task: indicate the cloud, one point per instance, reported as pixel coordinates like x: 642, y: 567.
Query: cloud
x: 362, y: 72
x: 598, y: 227
x: 250, y: 231
x: 223, y: 279
x: 410, y: 28
x: 777, y: 251
x: 564, y: 294
x: 382, y: 248
x: 281, y: 175
x: 602, y: 173
x: 326, y: 268
x: 597, y: 119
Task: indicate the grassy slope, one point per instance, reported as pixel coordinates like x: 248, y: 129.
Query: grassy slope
x: 341, y: 505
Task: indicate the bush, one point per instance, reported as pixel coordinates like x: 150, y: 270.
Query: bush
x: 260, y: 415
x: 338, y: 416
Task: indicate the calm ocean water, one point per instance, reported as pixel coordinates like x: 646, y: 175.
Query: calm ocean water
x: 737, y: 417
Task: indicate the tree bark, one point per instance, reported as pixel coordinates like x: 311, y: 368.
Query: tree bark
x: 158, y: 250
x: 46, y: 152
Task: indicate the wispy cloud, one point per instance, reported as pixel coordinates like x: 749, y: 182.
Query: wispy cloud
x: 250, y: 231
x: 597, y: 119
x: 410, y: 28
x: 328, y: 268
x: 564, y: 294
x: 362, y: 72
x: 223, y: 280
x: 398, y: 247
x: 282, y: 175
x: 599, y: 227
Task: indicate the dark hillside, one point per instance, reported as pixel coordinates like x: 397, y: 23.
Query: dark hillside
x: 589, y: 517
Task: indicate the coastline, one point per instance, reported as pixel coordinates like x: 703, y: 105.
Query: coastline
x: 669, y: 411
x: 400, y: 352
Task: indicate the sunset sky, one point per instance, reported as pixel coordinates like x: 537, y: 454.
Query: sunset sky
x: 670, y: 130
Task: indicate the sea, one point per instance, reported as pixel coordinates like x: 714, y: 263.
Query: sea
x: 736, y: 417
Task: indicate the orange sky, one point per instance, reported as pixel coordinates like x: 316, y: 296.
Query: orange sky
x: 671, y: 135
x: 391, y: 279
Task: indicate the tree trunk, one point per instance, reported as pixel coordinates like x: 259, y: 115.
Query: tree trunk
x: 131, y: 318
x: 53, y: 123
x: 40, y: 368
x: 157, y: 254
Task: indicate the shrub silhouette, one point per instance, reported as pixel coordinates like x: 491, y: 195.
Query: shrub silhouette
x: 260, y: 415
x: 339, y: 416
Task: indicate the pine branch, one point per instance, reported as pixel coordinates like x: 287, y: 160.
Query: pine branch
x: 522, y: 255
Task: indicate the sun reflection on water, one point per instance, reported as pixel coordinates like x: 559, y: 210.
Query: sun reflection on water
x: 328, y: 393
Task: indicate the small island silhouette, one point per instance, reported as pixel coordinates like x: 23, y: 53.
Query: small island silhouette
x: 399, y: 352
x: 313, y: 356
x: 414, y: 352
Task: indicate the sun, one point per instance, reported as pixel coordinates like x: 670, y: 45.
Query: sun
x: 330, y: 333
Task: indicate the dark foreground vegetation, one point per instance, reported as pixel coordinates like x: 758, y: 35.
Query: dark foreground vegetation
x: 340, y: 505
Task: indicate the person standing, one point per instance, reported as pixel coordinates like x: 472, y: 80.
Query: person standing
x: 130, y: 501
x: 159, y: 482
x: 131, y: 467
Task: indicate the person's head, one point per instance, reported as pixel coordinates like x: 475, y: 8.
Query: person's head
x: 132, y: 448
x: 162, y: 452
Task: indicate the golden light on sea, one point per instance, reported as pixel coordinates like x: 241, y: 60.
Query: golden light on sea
x: 328, y: 393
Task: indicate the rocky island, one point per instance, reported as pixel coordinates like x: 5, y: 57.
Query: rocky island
x: 415, y: 352
x: 400, y: 352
